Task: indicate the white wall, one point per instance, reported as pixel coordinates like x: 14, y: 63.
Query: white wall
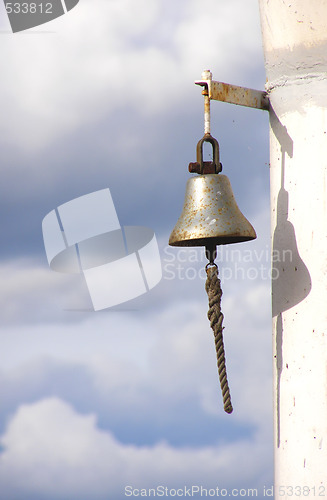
x: 295, y: 46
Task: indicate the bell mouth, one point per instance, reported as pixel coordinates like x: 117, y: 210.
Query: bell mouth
x: 202, y: 242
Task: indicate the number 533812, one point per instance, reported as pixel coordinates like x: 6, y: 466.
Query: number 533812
x: 28, y: 8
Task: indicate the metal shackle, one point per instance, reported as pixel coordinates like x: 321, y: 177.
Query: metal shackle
x: 215, y: 151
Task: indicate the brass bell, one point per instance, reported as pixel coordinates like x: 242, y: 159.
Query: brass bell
x: 210, y: 215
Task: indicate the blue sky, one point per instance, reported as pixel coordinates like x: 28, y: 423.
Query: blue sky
x: 93, y: 402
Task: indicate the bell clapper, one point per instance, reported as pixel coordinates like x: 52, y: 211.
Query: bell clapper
x: 211, y: 254
x: 216, y: 317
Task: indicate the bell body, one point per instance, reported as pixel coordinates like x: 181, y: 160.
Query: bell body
x: 210, y: 214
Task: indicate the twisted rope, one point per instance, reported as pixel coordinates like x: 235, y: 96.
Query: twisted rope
x: 216, y: 317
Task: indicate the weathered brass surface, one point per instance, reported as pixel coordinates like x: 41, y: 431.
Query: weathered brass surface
x: 210, y: 215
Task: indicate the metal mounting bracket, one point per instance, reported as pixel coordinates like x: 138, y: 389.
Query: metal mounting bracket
x: 233, y: 94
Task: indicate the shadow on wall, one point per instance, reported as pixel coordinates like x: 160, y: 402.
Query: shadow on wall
x: 291, y: 282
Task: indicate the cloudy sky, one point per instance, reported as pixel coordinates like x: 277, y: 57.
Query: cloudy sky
x: 92, y: 402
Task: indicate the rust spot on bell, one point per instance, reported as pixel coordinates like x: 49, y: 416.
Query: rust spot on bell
x: 210, y: 198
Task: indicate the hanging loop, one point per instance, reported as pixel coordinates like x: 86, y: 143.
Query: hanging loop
x: 211, y: 265
x: 205, y: 167
x: 215, y: 153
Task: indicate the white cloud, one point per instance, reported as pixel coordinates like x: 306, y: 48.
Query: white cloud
x: 168, y: 352
x: 149, y: 362
x: 220, y: 36
x: 30, y: 293
x: 51, y: 451
x: 118, y: 55
x: 163, y: 347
